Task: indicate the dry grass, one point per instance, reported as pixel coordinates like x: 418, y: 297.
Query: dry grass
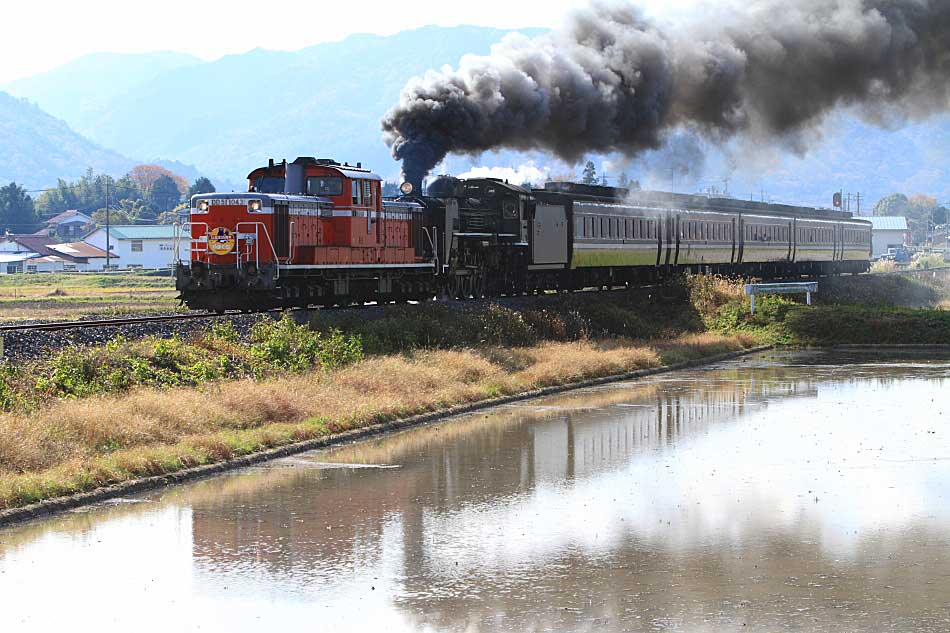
x: 77, y: 445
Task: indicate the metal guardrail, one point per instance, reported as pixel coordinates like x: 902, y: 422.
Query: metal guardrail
x: 807, y: 287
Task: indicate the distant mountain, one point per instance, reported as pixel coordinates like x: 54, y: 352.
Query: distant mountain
x: 849, y: 155
x: 230, y: 115
x: 36, y: 148
x: 79, y: 91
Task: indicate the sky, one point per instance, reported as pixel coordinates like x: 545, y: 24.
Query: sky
x: 52, y: 33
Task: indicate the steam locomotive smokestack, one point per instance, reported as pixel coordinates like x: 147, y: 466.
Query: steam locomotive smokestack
x: 613, y: 81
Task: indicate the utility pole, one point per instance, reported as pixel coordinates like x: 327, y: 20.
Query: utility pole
x: 108, y: 221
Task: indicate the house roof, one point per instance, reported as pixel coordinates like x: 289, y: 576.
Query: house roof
x: 49, y: 259
x: 9, y: 258
x: 888, y: 223
x: 79, y: 249
x: 36, y: 243
x: 141, y: 231
x: 72, y: 215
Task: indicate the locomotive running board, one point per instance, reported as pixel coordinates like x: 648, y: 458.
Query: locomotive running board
x: 350, y: 266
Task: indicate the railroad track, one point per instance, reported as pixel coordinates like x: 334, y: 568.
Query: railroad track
x: 95, y: 323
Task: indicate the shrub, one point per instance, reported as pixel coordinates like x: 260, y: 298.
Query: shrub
x: 502, y: 326
x: 557, y: 325
x: 285, y: 345
x: 224, y: 331
x: 708, y: 293
x: 337, y: 350
x: 71, y: 373
x: 8, y: 396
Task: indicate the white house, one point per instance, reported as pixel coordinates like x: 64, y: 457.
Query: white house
x: 147, y: 246
x: 40, y: 254
x: 68, y: 225
x: 887, y: 232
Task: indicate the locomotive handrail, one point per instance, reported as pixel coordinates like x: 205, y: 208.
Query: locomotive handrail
x: 435, y: 253
x: 257, y: 241
x: 290, y: 243
x: 179, y: 229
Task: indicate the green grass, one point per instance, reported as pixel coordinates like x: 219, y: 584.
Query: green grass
x: 77, y: 295
x: 87, y: 280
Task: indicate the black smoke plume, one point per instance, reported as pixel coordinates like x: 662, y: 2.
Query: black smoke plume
x: 613, y: 81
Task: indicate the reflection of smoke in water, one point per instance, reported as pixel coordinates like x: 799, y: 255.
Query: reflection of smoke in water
x: 613, y: 81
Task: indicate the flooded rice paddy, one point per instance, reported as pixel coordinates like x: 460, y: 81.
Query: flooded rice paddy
x: 790, y: 491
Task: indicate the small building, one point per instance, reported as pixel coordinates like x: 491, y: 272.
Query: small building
x: 91, y: 257
x: 150, y: 247
x: 887, y: 232
x: 40, y: 253
x: 12, y: 263
x: 68, y: 225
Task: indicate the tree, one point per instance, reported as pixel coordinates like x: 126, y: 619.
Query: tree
x: 116, y: 216
x: 895, y: 204
x: 89, y: 193
x: 940, y: 215
x: 164, y: 194
x: 145, y: 176
x: 17, y: 213
x: 922, y: 213
x: 178, y: 214
x: 201, y: 185
x: 589, y: 175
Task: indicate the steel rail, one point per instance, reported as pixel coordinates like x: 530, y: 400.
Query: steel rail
x: 96, y: 323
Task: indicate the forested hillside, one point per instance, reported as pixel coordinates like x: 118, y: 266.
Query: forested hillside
x: 36, y: 149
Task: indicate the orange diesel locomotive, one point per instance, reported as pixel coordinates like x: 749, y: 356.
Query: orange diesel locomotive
x: 310, y: 232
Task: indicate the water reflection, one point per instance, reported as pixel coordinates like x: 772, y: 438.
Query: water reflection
x: 805, y: 491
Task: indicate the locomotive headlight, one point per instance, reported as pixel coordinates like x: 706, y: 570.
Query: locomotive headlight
x: 254, y: 205
x: 405, y: 188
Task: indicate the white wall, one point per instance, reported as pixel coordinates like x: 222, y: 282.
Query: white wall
x: 155, y: 254
x: 882, y: 240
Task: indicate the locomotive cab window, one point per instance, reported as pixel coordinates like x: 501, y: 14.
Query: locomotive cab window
x: 325, y: 186
x: 269, y: 184
x: 357, y: 192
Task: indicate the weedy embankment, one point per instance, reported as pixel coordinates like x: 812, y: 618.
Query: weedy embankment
x: 99, y: 415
